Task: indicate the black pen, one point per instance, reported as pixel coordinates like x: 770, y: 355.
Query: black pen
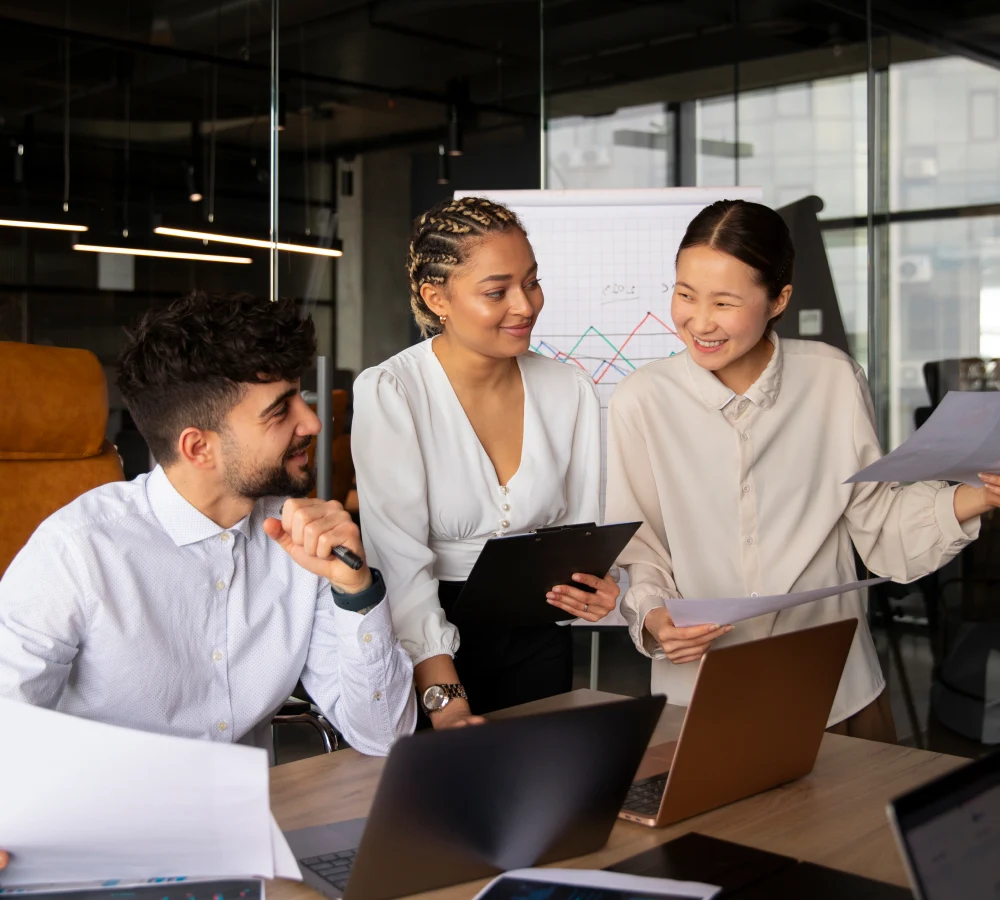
x: 348, y: 557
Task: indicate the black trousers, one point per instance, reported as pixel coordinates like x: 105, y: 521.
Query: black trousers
x: 506, y: 666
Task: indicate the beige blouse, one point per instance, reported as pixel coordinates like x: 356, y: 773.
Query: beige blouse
x: 743, y: 496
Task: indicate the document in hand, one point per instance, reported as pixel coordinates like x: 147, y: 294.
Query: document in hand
x: 687, y: 612
x: 592, y: 884
x: 85, y: 802
x: 959, y: 440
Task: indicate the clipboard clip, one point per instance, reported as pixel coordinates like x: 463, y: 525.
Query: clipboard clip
x: 582, y: 526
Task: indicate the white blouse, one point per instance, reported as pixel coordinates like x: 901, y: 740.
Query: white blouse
x: 745, y: 496
x: 429, y: 495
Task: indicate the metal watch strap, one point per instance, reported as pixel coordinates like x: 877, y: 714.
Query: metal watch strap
x: 451, y: 691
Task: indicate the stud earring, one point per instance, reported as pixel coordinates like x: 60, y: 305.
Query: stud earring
x: 443, y: 319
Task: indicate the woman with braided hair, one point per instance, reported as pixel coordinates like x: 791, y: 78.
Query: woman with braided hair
x: 734, y: 455
x: 466, y: 436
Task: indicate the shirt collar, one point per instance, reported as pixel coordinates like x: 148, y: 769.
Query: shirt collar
x: 762, y: 393
x: 185, y: 524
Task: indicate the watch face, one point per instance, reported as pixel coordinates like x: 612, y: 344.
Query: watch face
x: 435, y: 697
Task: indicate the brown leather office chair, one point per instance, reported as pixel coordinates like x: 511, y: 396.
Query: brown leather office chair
x: 343, y: 463
x: 54, y: 404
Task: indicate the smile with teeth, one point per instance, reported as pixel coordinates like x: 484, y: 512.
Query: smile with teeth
x: 709, y: 344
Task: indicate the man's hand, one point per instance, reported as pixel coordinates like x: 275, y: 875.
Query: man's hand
x: 682, y: 645
x: 587, y: 606
x: 457, y: 714
x: 308, y: 531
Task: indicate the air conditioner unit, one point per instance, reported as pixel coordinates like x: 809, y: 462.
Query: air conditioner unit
x: 917, y: 167
x: 914, y: 269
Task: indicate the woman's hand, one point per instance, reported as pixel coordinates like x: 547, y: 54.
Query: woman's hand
x: 682, y: 645
x: 4, y: 859
x: 456, y: 714
x: 971, y: 502
x: 583, y: 604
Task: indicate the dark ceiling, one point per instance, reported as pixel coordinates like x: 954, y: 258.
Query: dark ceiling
x: 165, y: 74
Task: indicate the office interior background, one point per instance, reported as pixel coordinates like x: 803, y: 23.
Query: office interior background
x: 131, y: 115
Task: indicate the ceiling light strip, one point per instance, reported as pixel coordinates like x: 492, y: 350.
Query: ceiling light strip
x: 245, y: 242
x: 51, y: 226
x: 164, y: 254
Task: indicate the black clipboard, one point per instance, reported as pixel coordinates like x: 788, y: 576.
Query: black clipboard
x: 508, y: 583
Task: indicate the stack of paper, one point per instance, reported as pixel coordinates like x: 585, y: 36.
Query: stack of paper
x: 85, y: 802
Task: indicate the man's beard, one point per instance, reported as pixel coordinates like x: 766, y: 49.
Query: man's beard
x: 252, y: 481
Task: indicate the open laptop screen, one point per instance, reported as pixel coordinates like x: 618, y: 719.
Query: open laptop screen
x: 950, y: 829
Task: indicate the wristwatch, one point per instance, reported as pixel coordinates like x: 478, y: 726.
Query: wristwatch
x: 438, y: 696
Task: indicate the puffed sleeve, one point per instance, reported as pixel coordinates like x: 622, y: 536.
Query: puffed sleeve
x: 901, y: 532
x: 583, y: 478
x: 632, y: 497
x: 392, y: 492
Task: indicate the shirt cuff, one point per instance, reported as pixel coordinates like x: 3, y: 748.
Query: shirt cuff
x: 370, y: 597
x: 643, y: 600
x: 955, y: 532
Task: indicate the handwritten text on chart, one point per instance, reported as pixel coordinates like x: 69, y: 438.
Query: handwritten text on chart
x: 619, y: 291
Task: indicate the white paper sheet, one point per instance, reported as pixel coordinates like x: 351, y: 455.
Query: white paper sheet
x: 688, y: 612
x: 959, y: 440
x: 285, y: 864
x: 631, y: 885
x: 82, y: 801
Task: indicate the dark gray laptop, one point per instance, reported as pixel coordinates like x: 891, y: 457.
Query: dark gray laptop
x: 454, y: 806
x: 948, y: 832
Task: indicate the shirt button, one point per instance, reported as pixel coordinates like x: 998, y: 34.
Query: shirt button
x: 505, y: 507
x: 755, y: 594
x: 745, y: 436
x: 743, y: 405
x: 367, y: 638
x: 504, y: 524
x: 220, y: 585
x: 217, y: 656
x: 503, y: 489
x: 746, y: 489
x: 749, y: 540
x: 222, y: 726
x: 377, y: 695
x: 224, y: 536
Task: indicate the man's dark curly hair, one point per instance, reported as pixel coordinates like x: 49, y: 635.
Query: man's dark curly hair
x: 189, y: 363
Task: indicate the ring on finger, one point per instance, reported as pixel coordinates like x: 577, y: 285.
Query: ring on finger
x: 586, y: 607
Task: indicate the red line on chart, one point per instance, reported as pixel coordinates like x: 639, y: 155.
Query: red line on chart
x: 645, y: 319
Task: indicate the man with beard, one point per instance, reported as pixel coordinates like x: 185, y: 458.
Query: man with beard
x: 191, y: 600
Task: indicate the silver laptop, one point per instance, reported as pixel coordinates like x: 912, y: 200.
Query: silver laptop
x: 454, y: 806
x: 948, y: 832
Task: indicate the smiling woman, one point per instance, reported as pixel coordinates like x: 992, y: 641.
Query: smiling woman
x: 735, y: 456
x: 467, y: 436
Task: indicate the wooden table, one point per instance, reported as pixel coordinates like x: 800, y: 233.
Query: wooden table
x: 835, y: 816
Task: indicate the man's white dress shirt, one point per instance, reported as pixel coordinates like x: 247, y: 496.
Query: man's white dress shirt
x: 130, y: 607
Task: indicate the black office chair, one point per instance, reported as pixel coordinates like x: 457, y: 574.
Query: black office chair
x: 300, y: 710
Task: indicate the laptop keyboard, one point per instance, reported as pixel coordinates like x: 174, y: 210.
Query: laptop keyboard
x: 644, y: 796
x: 332, y: 867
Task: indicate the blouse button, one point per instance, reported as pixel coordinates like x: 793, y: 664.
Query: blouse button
x: 743, y: 405
x: 745, y: 436
x: 505, y: 507
x: 503, y: 489
x: 746, y: 489
x: 504, y: 524
x: 749, y: 540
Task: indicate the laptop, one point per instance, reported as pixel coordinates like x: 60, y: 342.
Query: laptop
x: 756, y: 719
x: 453, y: 806
x: 948, y: 833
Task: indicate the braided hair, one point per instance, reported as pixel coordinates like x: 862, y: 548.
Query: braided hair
x: 440, y: 242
